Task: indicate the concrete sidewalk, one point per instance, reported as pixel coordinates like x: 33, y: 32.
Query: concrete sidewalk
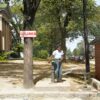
x: 68, y: 89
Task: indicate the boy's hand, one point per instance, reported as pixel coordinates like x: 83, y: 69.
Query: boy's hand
x: 49, y: 61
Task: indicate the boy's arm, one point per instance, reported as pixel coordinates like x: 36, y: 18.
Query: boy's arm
x: 50, y: 59
x: 62, y: 58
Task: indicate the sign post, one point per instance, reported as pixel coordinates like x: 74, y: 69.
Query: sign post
x: 28, y: 57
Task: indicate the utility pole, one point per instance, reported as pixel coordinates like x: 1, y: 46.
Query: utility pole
x: 86, y: 36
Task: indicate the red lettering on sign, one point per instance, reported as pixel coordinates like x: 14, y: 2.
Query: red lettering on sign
x: 27, y: 34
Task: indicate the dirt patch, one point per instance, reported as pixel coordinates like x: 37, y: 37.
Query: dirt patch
x: 11, y: 75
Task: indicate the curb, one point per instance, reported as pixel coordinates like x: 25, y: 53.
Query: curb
x: 95, y: 83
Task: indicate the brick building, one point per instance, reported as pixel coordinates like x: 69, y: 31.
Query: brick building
x: 5, y: 29
x: 96, y: 42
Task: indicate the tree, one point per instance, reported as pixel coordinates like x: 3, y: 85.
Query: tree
x: 80, y: 47
x: 29, y: 11
x: 55, y: 19
x: 94, y: 23
x: 60, y: 19
x: 76, y: 52
x: 69, y: 53
x: 85, y: 29
x: 64, y: 18
x: 17, y: 19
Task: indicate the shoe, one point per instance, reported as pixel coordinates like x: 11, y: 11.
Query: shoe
x: 59, y: 80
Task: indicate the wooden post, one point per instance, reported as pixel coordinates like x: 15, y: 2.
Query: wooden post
x: 28, y: 63
x: 28, y: 57
x: 29, y: 11
x: 52, y: 74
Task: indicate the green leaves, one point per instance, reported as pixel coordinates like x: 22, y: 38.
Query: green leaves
x: 3, y: 5
x: 50, y: 23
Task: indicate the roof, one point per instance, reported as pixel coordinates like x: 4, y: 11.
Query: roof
x: 96, y: 40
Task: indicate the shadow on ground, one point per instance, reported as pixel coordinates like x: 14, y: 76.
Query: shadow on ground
x: 15, y: 71
x: 40, y: 71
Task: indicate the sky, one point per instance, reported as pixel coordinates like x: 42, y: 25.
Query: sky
x: 97, y: 2
x: 72, y: 45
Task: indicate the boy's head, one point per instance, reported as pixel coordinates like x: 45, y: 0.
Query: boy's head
x: 59, y: 47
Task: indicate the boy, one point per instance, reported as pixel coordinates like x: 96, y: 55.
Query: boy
x: 57, y: 58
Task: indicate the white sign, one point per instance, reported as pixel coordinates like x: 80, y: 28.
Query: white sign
x: 27, y: 34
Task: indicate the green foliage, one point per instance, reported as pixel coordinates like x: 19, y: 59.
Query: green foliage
x: 49, y: 22
x: 79, y: 51
x: 2, y: 58
x: 18, y: 47
x: 16, y: 20
x: 36, y: 48
x: 43, y: 54
x: 41, y: 43
x: 75, y: 26
x: 3, y: 5
x: 94, y: 24
x: 16, y: 50
x: 4, y: 55
x: 76, y: 52
x: 50, y: 17
x: 69, y: 53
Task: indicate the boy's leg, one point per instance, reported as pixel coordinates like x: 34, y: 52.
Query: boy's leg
x: 59, y: 78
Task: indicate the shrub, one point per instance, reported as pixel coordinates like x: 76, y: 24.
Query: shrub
x: 18, y: 47
x: 43, y: 54
x: 2, y: 58
x: 4, y: 55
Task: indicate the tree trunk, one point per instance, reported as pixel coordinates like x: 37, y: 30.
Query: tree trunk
x: 28, y: 63
x: 86, y: 36
x: 29, y: 11
x: 63, y: 38
x: 63, y: 43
